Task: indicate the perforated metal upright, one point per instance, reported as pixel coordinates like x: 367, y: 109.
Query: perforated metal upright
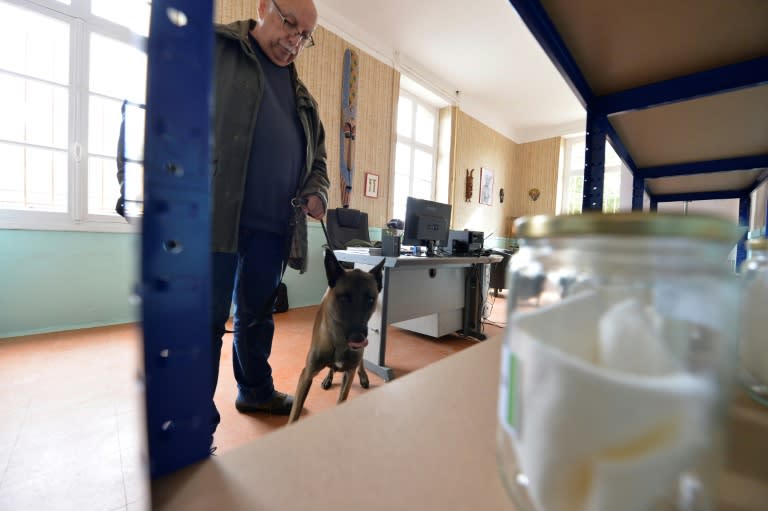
x: 594, y: 165
x: 745, y: 206
x: 175, y: 252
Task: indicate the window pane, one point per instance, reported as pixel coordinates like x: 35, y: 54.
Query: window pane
x: 133, y: 14
x: 46, y: 179
x: 12, y: 102
x: 401, y: 191
x: 103, y: 188
x: 405, y: 117
x: 575, y: 194
x: 425, y: 126
x: 103, y: 125
x: 33, y: 44
x: 422, y: 189
x: 117, y: 69
x: 135, y: 117
x: 422, y: 166
x: 577, y: 156
x: 12, y: 176
x: 611, y: 191
x: 611, y: 158
x: 46, y: 114
x: 403, y: 159
x: 134, y: 189
x: 33, y: 112
x: 33, y: 178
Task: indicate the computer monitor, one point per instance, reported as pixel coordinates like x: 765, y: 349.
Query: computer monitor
x: 426, y: 223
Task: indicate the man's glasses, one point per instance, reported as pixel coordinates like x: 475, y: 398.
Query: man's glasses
x: 305, y: 38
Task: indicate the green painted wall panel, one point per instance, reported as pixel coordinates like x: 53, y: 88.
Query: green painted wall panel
x: 53, y: 280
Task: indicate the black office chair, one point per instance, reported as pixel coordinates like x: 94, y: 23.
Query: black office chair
x: 498, y: 280
x: 345, y: 225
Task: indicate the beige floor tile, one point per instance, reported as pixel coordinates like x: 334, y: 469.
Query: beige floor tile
x: 78, y: 485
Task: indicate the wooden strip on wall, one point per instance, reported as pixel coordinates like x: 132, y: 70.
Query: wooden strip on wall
x: 538, y: 163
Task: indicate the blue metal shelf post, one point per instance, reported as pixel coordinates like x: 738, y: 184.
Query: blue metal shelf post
x: 175, y: 251
x: 594, y: 165
x: 745, y: 206
x: 638, y: 189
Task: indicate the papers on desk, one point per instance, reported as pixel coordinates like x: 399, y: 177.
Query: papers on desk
x: 364, y: 250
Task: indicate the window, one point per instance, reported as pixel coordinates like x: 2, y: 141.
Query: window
x: 415, y: 153
x: 73, y: 64
x: 573, y: 177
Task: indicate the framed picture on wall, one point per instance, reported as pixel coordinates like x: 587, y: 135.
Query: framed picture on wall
x: 371, y: 185
x: 486, y: 186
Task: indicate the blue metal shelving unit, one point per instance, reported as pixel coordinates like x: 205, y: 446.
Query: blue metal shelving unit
x: 175, y: 252
x: 710, y: 33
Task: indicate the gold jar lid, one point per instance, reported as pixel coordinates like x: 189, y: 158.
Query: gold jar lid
x: 634, y: 224
x: 757, y: 244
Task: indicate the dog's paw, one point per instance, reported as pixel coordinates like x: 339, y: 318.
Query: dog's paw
x: 327, y: 382
x: 365, y: 383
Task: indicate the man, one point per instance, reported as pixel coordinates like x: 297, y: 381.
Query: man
x: 269, y: 173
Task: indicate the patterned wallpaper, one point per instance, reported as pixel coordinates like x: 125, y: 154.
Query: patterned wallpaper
x: 477, y: 146
x: 538, y: 164
x: 517, y: 167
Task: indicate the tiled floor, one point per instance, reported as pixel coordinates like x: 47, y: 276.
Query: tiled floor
x: 71, y: 429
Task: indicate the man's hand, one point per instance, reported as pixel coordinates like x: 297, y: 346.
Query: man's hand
x: 313, y: 206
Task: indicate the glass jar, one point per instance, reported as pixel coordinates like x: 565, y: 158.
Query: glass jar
x: 753, y: 349
x: 618, y: 353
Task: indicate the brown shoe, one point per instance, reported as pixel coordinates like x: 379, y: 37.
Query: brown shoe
x: 280, y: 404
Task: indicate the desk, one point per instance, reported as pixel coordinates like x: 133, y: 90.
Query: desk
x: 430, y: 295
x: 424, y: 441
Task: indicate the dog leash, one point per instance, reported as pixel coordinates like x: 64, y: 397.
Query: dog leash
x: 327, y: 238
x: 270, y: 300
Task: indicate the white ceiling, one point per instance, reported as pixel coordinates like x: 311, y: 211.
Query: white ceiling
x: 481, y: 49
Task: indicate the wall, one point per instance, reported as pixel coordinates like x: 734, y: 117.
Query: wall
x: 65, y: 280
x: 536, y: 165
x: 517, y: 167
x: 476, y: 146
x: 321, y: 69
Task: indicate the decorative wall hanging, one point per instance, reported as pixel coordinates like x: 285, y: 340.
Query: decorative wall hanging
x: 534, y: 193
x: 501, y: 194
x: 486, y: 186
x: 371, y: 185
x: 468, y: 184
x: 348, y: 124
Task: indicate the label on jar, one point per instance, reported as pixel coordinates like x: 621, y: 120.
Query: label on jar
x: 510, y: 406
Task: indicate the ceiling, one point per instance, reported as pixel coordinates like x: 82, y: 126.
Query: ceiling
x: 481, y: 49
x: 681, y: 87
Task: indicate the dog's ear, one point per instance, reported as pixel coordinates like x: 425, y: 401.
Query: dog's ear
x: 376, y: 272
x: 333, y: 269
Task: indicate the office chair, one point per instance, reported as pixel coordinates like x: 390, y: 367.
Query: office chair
x: 345, y: 225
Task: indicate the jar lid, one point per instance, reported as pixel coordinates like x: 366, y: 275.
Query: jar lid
x: 757, y: 244
x: 629, y: 224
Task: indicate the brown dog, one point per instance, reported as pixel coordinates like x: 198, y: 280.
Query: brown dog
x: 340, y: 332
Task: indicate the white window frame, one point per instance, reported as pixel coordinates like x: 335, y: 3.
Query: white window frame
x: 566, y: 172
x: 414, y: 144
x: 76, y: 218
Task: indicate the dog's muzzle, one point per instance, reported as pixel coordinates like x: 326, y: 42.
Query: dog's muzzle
x: 357, y: 341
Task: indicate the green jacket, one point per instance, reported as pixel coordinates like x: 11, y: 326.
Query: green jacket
x: 238, y: 91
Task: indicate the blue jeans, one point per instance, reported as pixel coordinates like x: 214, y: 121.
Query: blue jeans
x: 248, y: 277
